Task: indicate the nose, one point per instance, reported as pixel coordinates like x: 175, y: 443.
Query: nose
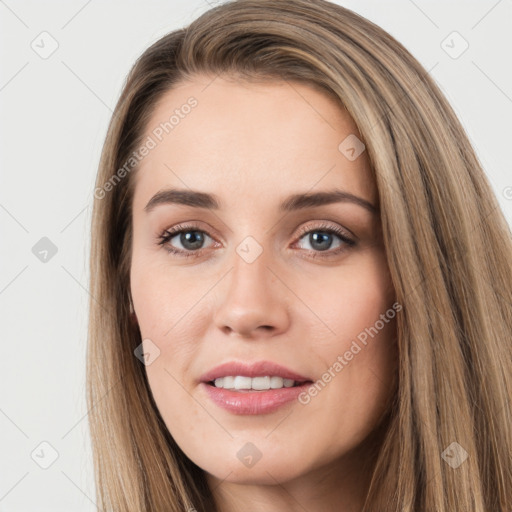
x: 253, y: 302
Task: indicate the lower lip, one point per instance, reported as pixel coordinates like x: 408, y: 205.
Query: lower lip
x: 253, y: 402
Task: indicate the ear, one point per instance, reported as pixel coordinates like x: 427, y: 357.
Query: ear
x: 133, y: 316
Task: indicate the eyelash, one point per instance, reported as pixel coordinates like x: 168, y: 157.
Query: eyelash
x: 168, y: 235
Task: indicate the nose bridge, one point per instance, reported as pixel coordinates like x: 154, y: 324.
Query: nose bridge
x: 250, y: 277
x: 252, y: 297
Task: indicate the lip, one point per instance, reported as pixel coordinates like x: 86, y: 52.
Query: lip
x: 257, y: 369
x: 253, y: 402
x: 248, y: 402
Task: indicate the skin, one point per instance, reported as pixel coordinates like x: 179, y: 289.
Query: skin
x: 253, y: 145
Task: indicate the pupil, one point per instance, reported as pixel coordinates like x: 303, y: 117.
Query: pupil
x: 191, y: 237
x: 324, y: 237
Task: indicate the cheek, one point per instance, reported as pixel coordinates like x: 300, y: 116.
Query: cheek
x: 350, y: 299
x: 171, y: 323
x: 358, y: 350
x: 166, y: 301
x: 350, y: 398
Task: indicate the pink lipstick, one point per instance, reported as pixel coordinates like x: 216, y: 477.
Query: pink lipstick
x: 257, y: 388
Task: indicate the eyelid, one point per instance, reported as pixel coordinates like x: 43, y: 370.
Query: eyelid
x: 193, y: 225
x: 328, y: 225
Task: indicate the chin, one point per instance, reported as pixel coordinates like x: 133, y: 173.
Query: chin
x: 261, y: 474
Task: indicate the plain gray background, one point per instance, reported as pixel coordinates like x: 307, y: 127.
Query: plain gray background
x: 54, y: 115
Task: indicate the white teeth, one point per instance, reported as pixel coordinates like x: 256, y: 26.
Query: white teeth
x: 276, y: 382
x: 257, y: 383
x: 228, y: 382
x: 260, y: 383
x: 242, y: 382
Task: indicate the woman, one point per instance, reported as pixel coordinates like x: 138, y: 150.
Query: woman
x: 301, y: 277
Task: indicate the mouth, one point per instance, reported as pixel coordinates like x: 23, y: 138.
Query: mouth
x: 245, y: 384
x: 256, y: 388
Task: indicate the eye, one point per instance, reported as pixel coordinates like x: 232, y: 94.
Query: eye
x: 189, y: 236
x: 192, y: 239
x: 320, y: 239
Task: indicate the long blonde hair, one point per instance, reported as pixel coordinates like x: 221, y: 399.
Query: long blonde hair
x: 447, y: 242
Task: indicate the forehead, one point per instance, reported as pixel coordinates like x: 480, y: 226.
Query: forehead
x: 252, y: 139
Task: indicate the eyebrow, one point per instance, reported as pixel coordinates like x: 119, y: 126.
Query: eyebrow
x: 294, y: 202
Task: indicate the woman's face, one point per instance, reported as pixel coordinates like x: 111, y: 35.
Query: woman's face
x: 261, y: 275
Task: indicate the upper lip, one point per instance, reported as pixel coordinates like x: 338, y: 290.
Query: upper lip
x: 256, y: 369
